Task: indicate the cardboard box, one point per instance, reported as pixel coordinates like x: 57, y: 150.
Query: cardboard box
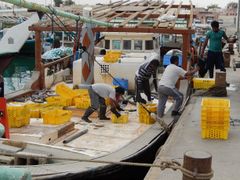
x: 220, y: 79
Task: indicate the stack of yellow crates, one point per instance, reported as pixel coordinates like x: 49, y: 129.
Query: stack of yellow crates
x: 34, y: 109
x: 66, y: 92
x: 144, y: 111
x: 82, y: 100
x: 215, y: 118
x: 60, y: 101
x: 203, y: 83
x: 18, y: 115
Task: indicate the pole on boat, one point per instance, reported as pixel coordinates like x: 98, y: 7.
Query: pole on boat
x: 197, y: 162
x: 52, y: 10
x: 238, y: 18
x: 87, y: 42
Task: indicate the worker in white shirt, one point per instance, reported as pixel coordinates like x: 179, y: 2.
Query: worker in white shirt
x: 167, y: 87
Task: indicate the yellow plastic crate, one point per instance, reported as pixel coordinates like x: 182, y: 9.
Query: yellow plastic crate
x: 150, y: 107
x: 143, y: 114
x: 214, y: 133
x: 65, y: 91
x: 215, y: 114
x: 146, y: 118
x: 18, y: 115
x: 215, y: 102
x: 81, y: 92
x: 122, y: 119
x: 49, y: 107
x: 223, y: 124
x: 82, y: 103
x: 34, y: 110
x: 215, y: 109
x: 203, y: 83
x: 215, y: 117
x: 61, y: 101
x: 112, y: 56
x: 56, y: 116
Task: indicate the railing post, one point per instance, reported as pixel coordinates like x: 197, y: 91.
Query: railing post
x: 197, y: 162
x: 38, y: 59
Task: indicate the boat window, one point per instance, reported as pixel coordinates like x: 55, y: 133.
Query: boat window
x: 149, y: 45
x: 116, y: 44
x: 127, y: 44
x: 138, y: 45
x: 107, y: 44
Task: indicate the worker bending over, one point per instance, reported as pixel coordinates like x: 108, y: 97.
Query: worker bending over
x: 98, y: 92
x: 144, y: 73
x: 167, y: 86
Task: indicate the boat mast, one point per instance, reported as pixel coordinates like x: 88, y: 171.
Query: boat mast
x: 52, y: 10
x: 238, y: 33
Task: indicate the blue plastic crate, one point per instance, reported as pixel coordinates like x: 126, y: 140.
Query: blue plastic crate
x: 120, y: 82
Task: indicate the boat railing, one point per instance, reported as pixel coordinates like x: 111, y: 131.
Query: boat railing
x: 59, y: 64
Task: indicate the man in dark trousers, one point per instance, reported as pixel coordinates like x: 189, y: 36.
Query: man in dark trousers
x: 98, y: 92
x: 144, y: 73
x: 214, y: 55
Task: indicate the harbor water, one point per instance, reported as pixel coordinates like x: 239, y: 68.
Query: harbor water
x: 18, y: 73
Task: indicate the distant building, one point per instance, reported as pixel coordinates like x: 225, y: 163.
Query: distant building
x: 206, y: 16
x: 231, y: 11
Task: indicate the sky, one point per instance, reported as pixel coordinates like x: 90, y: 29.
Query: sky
x: 201, y: 3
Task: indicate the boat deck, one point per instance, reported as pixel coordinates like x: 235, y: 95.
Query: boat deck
x: 102, y: 137
x: 187, y: 136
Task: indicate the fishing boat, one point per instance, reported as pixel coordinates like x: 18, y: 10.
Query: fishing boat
x: 75, y: 149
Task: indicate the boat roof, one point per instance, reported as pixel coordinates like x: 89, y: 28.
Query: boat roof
x: 137, y: 16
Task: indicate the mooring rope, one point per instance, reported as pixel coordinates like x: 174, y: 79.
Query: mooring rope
x: 168, y: 164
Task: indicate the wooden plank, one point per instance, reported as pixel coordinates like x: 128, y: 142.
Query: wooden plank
x: 136, y: 14
x: 164, y: 12
x: 66, y: 129
x: 4, y: 148
x: 177, y: 13
x: 110, y: 11
x: 6, y: 160
x: 166, y: 24
x: 191, y: 17
x: 130, y: 18
x: 144, y: 30
x: 147, y: 15
x: 116, y: 15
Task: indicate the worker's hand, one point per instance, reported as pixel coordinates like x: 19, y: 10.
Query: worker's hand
x: 125, y: 102
x: 114, y: 111
x: 119, y: 108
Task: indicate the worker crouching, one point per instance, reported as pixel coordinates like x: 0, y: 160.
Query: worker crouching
x: 98, y: 92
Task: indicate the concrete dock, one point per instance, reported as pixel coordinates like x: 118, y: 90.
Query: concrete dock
x: 186, y: 136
